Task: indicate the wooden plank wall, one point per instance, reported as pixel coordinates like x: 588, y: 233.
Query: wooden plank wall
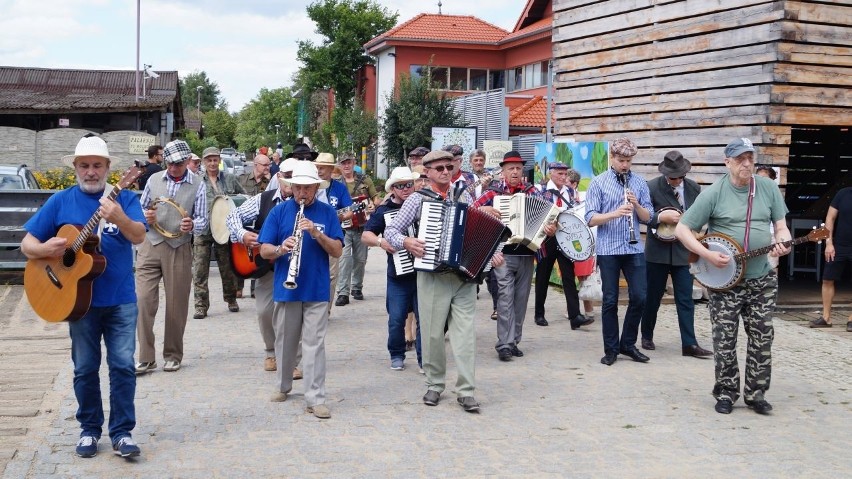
x: 692, y: 75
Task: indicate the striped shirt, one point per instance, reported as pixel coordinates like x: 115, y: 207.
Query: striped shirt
x: 606, y: 194
x: 199, y: 209
x: 245, y: 214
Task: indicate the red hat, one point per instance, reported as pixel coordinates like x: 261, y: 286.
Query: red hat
x: 512, y: 157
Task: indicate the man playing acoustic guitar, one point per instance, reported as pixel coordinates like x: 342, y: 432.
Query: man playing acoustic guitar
x: 740, y: 205
x: 112, y: 314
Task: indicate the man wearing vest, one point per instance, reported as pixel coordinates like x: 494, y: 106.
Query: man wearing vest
x: 169, y: 259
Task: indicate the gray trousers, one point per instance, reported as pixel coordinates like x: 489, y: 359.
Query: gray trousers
x: 265, y: 307
x: 514, y: 281
x: 352, y: 262
x: 446, y: 300
x: 309, y: 322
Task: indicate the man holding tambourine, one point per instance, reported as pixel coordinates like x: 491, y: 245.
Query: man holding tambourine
x: 671, y: 193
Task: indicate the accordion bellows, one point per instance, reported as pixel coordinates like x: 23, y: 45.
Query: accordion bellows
x: 526, y: 216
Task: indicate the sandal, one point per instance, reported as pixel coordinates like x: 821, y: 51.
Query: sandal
x: 820, y: 323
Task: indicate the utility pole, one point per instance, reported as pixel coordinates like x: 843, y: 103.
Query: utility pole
x: 198, y: 105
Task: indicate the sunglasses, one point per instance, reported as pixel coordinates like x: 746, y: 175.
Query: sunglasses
x: 402, y: 186
x: 440, y: 169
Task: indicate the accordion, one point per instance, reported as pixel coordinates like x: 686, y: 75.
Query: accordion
x: 403, y: 261
x: 458, y: 239
x: 526, y: 216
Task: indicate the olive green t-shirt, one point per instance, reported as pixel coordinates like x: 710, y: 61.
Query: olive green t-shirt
x: 723, y: 207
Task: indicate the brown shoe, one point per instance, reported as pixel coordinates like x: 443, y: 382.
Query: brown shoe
x: 297, y: 373
x: 696, y: 351
x: 278, y: 397
x: 269, y: 364
x: 320, y: 411
x: 820, y: 322
x: 233, y: 306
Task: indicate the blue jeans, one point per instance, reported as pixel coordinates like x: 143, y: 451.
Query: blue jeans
x: 658, y: 273
x: 611, y: 267
x: 117, y: 326
x: 401, y: 298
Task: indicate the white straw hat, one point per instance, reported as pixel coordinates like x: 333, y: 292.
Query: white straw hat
x: 305, y: 173
x: 87, y: 146
x: 400, y: 174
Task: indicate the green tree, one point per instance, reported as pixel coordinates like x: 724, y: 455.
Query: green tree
x: 221, y: 125
x: 564, y: 155
x: 196, y: 144
x: 412, y: 111
x: 349, y: 130
x: 600, y: 157
x: 345, y: 25
x: 210, y: 95
x: 257, y: 120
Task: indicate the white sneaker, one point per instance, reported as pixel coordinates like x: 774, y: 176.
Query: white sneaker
x: 171, y: 366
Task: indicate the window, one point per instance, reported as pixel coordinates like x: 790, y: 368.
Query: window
x: 458, y: 78
x: 530, y: 76
x: 417, y: 71
x: 516, y: 79
x: 439, y: 77
x: 545, y: 78
x: 496, y: 79
x: 478, y: 79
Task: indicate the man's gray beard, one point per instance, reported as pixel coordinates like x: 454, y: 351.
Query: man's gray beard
x: 87, y: 188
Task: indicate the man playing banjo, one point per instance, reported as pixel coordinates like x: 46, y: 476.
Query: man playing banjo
x: 721, y: 205
x: 671, y: 193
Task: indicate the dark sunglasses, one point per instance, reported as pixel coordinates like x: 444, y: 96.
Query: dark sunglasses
x: 440, y: 169
x: 402, y: 186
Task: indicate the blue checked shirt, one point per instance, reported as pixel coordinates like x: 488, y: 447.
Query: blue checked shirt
x: 199, y: 209
x: 605, y: 194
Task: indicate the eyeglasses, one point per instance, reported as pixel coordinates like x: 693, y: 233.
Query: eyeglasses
x: 402, y: 186
x: 176, y: 163
x: 262, y: 164
x: 440, y: 169
x: 677, y: 178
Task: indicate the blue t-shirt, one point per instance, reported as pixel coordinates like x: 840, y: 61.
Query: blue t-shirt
x: 314, y: 278
x: 336, y: 195
x: 72, y: 206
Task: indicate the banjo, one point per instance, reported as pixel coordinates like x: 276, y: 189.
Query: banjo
x: 725, y: 278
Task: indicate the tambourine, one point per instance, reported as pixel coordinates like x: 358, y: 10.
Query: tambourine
x: 664, y: 231
x: 169, y: 216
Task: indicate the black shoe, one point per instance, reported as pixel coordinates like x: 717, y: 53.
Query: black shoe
x: 517, y: 352
x: 342, y: 300
x: 609, y: 359
x: 581, y: 320
x: 431, y: 398
x: 357, y: 294
x: 541, y: 321
x: 494, y: 315
x: 636, y: 355
x: 505, y: 354
x: 696, y: 351
x: 724, y: 406
x: 760, y: 406
x: 648, y: 344
x: 469, y: 404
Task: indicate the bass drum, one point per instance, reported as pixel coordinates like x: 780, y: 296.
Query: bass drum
x: 574, y: 238
x: 222, y: 205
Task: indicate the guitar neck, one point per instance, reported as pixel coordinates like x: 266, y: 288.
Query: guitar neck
x: 766, y: 249
x: 92, y: 223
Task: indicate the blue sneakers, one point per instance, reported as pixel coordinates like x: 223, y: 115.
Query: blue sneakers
x: 87, y: 446
x: 125, y: 447
x: 397, y: 364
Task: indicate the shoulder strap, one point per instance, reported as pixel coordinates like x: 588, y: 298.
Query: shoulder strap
x: 429, y: 194
x: 557, y: 193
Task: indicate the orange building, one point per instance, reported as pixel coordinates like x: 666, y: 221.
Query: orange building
x: 467, y: 55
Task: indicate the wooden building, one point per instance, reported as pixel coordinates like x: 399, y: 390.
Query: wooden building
x: 692, y: 75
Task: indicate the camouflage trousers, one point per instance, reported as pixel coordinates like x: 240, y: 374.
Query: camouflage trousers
x: 201, y: 271
x: 754, y: 301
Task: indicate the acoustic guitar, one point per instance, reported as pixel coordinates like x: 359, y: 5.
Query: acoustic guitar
x: 723, y: 279
x: 247, y: 262
x: 60, y: 289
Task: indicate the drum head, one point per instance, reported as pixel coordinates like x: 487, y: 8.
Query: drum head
x: 222, y: 205
x: 574, y: 238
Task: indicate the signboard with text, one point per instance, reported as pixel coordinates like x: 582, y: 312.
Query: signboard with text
x: 138, y: 144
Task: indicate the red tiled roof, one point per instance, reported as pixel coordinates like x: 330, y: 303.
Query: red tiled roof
x: 443, y: 28
x: 43, y: 89
x: 530, y: 114
x: 543, y: 25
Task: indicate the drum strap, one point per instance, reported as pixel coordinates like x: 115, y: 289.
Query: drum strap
x: 748, y: 213
x: 569, y: 204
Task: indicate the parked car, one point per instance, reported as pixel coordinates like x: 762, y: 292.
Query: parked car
x: 233, y: 166
x: 17, y: 178
x: 228, y: 152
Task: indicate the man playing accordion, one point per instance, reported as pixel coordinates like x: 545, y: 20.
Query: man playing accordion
x: 514, y: 279
x: 442, y: 299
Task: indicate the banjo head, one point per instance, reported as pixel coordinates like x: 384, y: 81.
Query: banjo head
x: 725, y: 278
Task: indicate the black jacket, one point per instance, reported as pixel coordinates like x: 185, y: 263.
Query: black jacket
x: 662, y: 195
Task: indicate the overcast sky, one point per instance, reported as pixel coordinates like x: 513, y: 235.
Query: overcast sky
x: 243, y: 45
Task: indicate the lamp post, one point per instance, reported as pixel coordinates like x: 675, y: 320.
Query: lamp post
x: 198, y: 104
x: 276, y: 132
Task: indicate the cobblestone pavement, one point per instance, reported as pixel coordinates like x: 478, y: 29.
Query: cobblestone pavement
x: 556, y: 412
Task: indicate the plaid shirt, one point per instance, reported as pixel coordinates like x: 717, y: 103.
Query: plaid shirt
x: 409, y: 212
x: 200, y: 218
x: 245, y: 214
x: 501, y: 188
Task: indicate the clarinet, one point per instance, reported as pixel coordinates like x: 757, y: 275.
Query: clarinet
x: 622, y: 178
x: 296, y: 254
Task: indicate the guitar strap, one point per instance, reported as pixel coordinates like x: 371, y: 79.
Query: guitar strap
x: 751, y: 188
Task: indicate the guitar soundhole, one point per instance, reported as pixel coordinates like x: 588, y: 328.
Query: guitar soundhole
x: 68, y: 258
